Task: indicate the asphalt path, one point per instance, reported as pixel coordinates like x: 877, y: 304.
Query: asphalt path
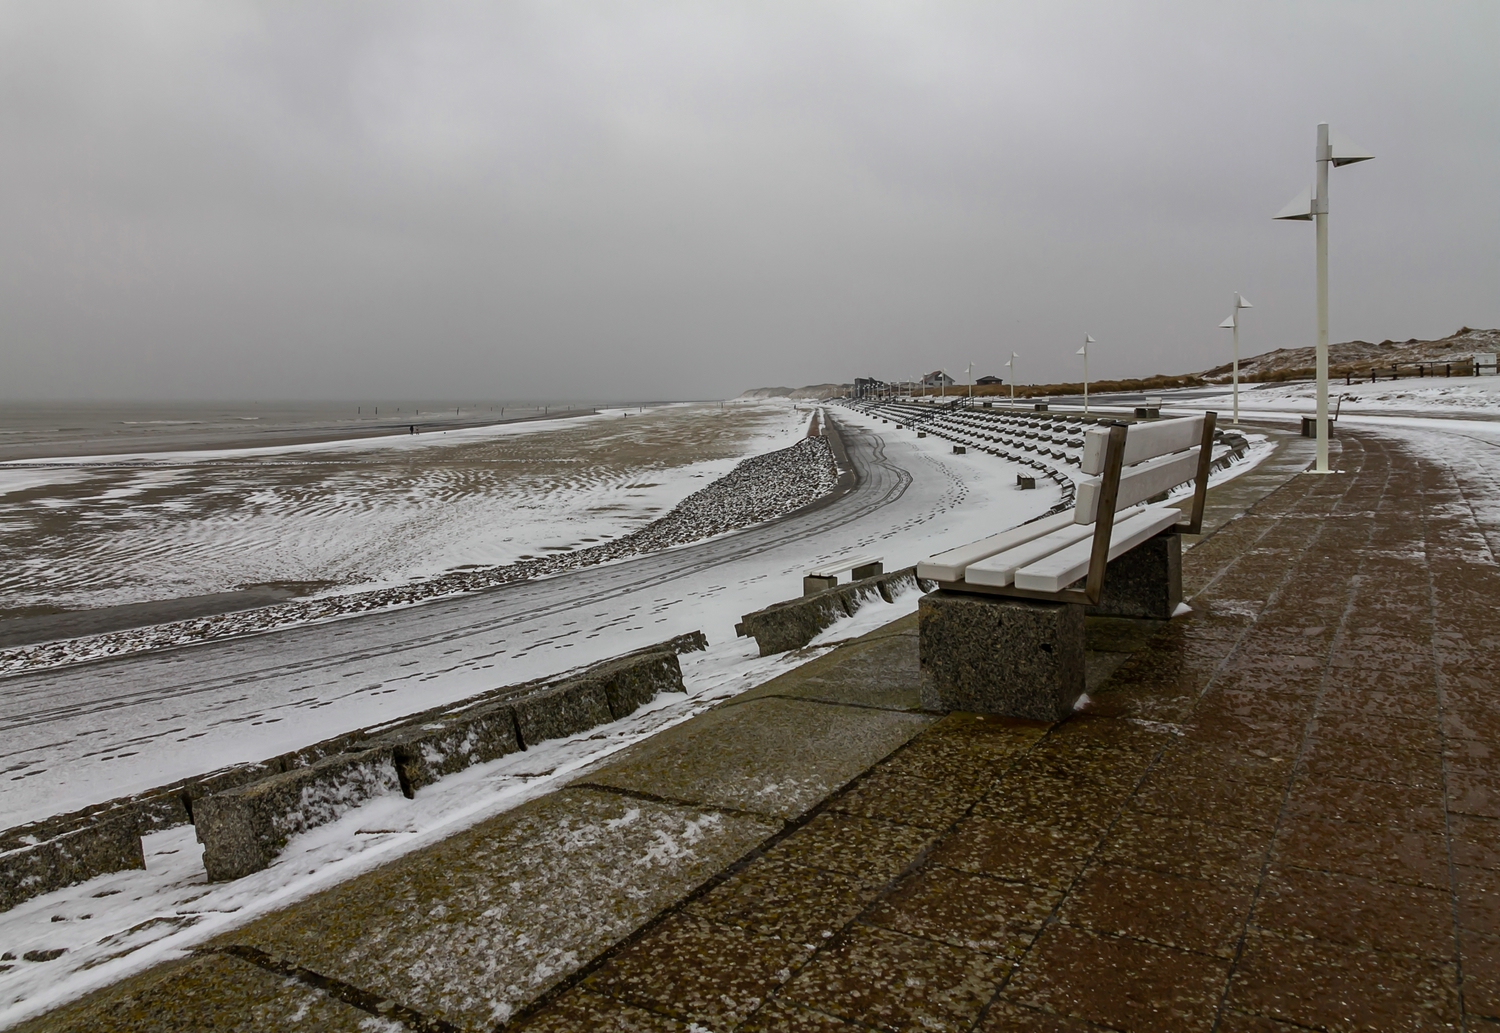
x: 84, y: 734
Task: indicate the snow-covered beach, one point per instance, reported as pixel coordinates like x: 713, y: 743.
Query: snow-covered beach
x: 186, y: 711
x: 353, y: 515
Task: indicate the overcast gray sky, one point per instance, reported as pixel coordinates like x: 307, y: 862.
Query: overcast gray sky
x: 611, y: 200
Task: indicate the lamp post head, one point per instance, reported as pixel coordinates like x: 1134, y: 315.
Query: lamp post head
x: 1228, y: 324
x: 1344, y: 151
x: 1240, y: 302
x: 1299, y: 208
x: 1336, y: 149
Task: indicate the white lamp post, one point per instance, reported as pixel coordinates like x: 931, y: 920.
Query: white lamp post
x: 1011, y: 365
x: 1084, y: 351
x: 969, y: 379
x: 1312, y: 206
x: 1233, y: 323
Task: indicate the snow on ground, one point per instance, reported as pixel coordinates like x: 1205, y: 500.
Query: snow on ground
x: 758, y: 489
x: 353, y: 515
x: 83, y: 734
x: 117, y: 924
x: 1460, y: 396
x: 1470, y: 449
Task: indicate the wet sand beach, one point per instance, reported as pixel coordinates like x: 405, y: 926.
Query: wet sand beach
x: 61, y: 429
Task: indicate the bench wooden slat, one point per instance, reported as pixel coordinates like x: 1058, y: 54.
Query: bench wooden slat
x: 950, y: 565
x: 1000, y: 570
x: 831, y: 569
x: 1137, y: 483
x: 1142, y: 441
x: 1066, y: 566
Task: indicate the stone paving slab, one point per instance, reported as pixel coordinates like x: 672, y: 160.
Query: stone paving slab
x: 877, y: 670
x: 771, y: 756
x: 493, y: 916
x: 217, y: 993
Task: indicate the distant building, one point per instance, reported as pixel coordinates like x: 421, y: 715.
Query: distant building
x: 989, y: 380
x: 868, y: 387
x: 937, y: 378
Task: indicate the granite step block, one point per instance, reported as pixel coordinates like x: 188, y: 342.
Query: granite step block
x: 796, y: 622
x: 637, y: 680
x: 421, y: 748
x: 244, y: 829
x: 426, y: 753
x: 67, y: 857
x: 67, y: 849
x: 561, y: 711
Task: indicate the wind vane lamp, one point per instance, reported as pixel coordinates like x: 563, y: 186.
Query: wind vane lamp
x: 1336, y: 150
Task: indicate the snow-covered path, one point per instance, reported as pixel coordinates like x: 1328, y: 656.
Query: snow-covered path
x: 84, y: 734
x: 1470, y: 450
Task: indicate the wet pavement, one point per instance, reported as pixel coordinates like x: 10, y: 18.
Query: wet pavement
x: 1278, y: 812
x: 1281, y: 813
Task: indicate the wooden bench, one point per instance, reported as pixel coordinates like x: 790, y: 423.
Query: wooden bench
x: 827, y: 576
x: 1150, y: 411
x: 1310, y: 423
x: 1004, y: 632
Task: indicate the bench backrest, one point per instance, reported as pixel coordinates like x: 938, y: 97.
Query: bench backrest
x: 831, y: 569
x: 1155, y: 457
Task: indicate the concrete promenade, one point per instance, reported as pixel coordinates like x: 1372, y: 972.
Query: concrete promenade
x: 1280, y: 811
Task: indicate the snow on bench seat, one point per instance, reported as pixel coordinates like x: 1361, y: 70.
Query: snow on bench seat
x: 1062, y: 568
x: 1000, y: 569
x: 950, y: 565
x: 834, y: 569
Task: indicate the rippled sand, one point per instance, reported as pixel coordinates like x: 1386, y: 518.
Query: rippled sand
x: 134, y: 528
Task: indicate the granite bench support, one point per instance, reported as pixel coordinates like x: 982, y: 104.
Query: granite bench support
x: 990, y: 654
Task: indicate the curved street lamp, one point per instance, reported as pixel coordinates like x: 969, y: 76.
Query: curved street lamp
x: 1233, y: 323
x: 1310, y: 206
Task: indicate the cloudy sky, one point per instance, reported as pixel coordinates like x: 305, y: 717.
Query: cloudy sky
x: 617, y: 200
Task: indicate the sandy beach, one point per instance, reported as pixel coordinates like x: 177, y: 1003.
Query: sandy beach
x: 62, y: 430
x: 138, y: 537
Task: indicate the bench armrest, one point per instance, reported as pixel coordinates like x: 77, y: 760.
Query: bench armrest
x: 1104, y: 514
x: 1194, y: 524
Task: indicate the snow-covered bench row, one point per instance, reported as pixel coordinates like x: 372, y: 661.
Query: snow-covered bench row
x: 1048, y: 443
x: 827, y: 576
x: 1004, y: 633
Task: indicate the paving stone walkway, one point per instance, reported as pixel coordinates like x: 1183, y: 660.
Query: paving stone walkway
x: 1279, y: 812
x: 1282, y: 813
